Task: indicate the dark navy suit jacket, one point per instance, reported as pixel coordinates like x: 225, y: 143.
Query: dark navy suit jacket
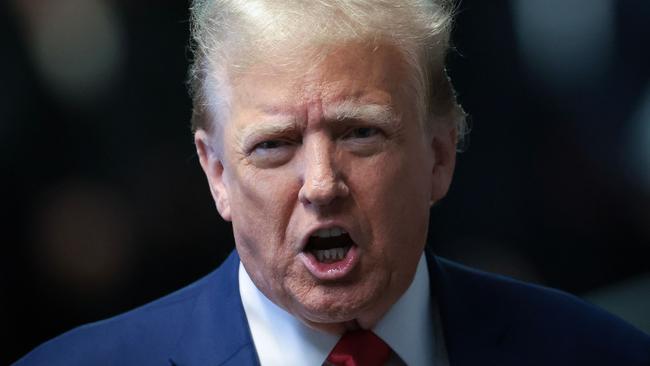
x: 486, y: 319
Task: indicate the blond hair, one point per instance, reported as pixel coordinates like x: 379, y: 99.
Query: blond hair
x: 229, y: 34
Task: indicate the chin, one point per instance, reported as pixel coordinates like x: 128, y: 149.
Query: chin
x: 337, y: 306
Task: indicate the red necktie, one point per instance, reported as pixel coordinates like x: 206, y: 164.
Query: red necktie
x: 359, y: 348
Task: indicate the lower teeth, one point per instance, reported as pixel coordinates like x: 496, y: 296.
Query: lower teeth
x: 330, y: 255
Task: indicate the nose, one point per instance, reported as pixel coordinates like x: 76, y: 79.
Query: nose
x: 322, y: 182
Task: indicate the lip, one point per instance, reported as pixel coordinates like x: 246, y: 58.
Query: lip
x: 329, y: 271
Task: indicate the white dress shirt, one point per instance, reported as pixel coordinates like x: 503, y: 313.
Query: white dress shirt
x: 411, y: 327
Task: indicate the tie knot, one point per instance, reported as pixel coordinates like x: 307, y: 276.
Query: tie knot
x: 359, y: 348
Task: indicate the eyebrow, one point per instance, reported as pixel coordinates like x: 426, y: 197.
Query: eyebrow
x: 278, y: 123
x: 380, y: 114
x: 275, y: 125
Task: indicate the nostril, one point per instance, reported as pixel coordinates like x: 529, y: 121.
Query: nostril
x: 322, y: 192
x: 322, y: 182
x: 318, y: 193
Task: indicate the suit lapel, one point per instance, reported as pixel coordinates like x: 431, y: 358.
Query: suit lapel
x: 217, y: 332
x: 473, y: 325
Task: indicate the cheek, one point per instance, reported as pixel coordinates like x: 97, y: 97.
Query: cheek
x: 394, y: 198
x: 261, y: 206
x: 259, y: 223
x: 392, y: 183
x: 253, y: 193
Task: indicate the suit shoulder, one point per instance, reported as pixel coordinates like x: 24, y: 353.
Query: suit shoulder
x: 141, y: 336
x: 542, y: 320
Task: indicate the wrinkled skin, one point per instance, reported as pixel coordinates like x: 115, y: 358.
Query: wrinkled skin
x: 282, y: 165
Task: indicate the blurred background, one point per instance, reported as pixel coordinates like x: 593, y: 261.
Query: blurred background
x: 105, y: 208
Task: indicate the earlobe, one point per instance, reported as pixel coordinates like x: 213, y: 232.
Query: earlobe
x: 443, y: 144
x: 213, y: 169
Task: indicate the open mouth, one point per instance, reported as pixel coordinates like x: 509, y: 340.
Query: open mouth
x: 329, y: 245
x: 330, y: 254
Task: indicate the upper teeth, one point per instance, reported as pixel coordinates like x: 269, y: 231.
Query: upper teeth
x: 328, y: 233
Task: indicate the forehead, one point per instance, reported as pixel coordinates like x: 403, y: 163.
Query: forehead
x: 353, y: 71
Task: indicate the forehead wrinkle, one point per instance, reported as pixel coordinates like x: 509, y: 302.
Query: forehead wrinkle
x: 349, y: 109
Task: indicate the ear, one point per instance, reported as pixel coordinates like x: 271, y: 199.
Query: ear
x: 443, y: 143
x: 213, y: 169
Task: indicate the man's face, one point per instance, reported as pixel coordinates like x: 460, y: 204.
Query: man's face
x: 328, y: 177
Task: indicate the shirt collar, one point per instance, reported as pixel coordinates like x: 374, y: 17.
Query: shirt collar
x: 281, y: 339
x: 408, y: 326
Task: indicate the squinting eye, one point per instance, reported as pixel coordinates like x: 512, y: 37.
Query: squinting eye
x: 363, y: 132
x: 271, y: 153
x: 271, y: 144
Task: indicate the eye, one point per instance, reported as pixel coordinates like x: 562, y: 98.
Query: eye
x: 364, y: 140
x: 270, y: 144
x: 271, y: 153
x: 363, y: 133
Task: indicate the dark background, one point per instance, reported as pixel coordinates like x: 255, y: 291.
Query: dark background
x: 104, y: 206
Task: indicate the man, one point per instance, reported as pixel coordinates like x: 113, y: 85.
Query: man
x: 326, y: 130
